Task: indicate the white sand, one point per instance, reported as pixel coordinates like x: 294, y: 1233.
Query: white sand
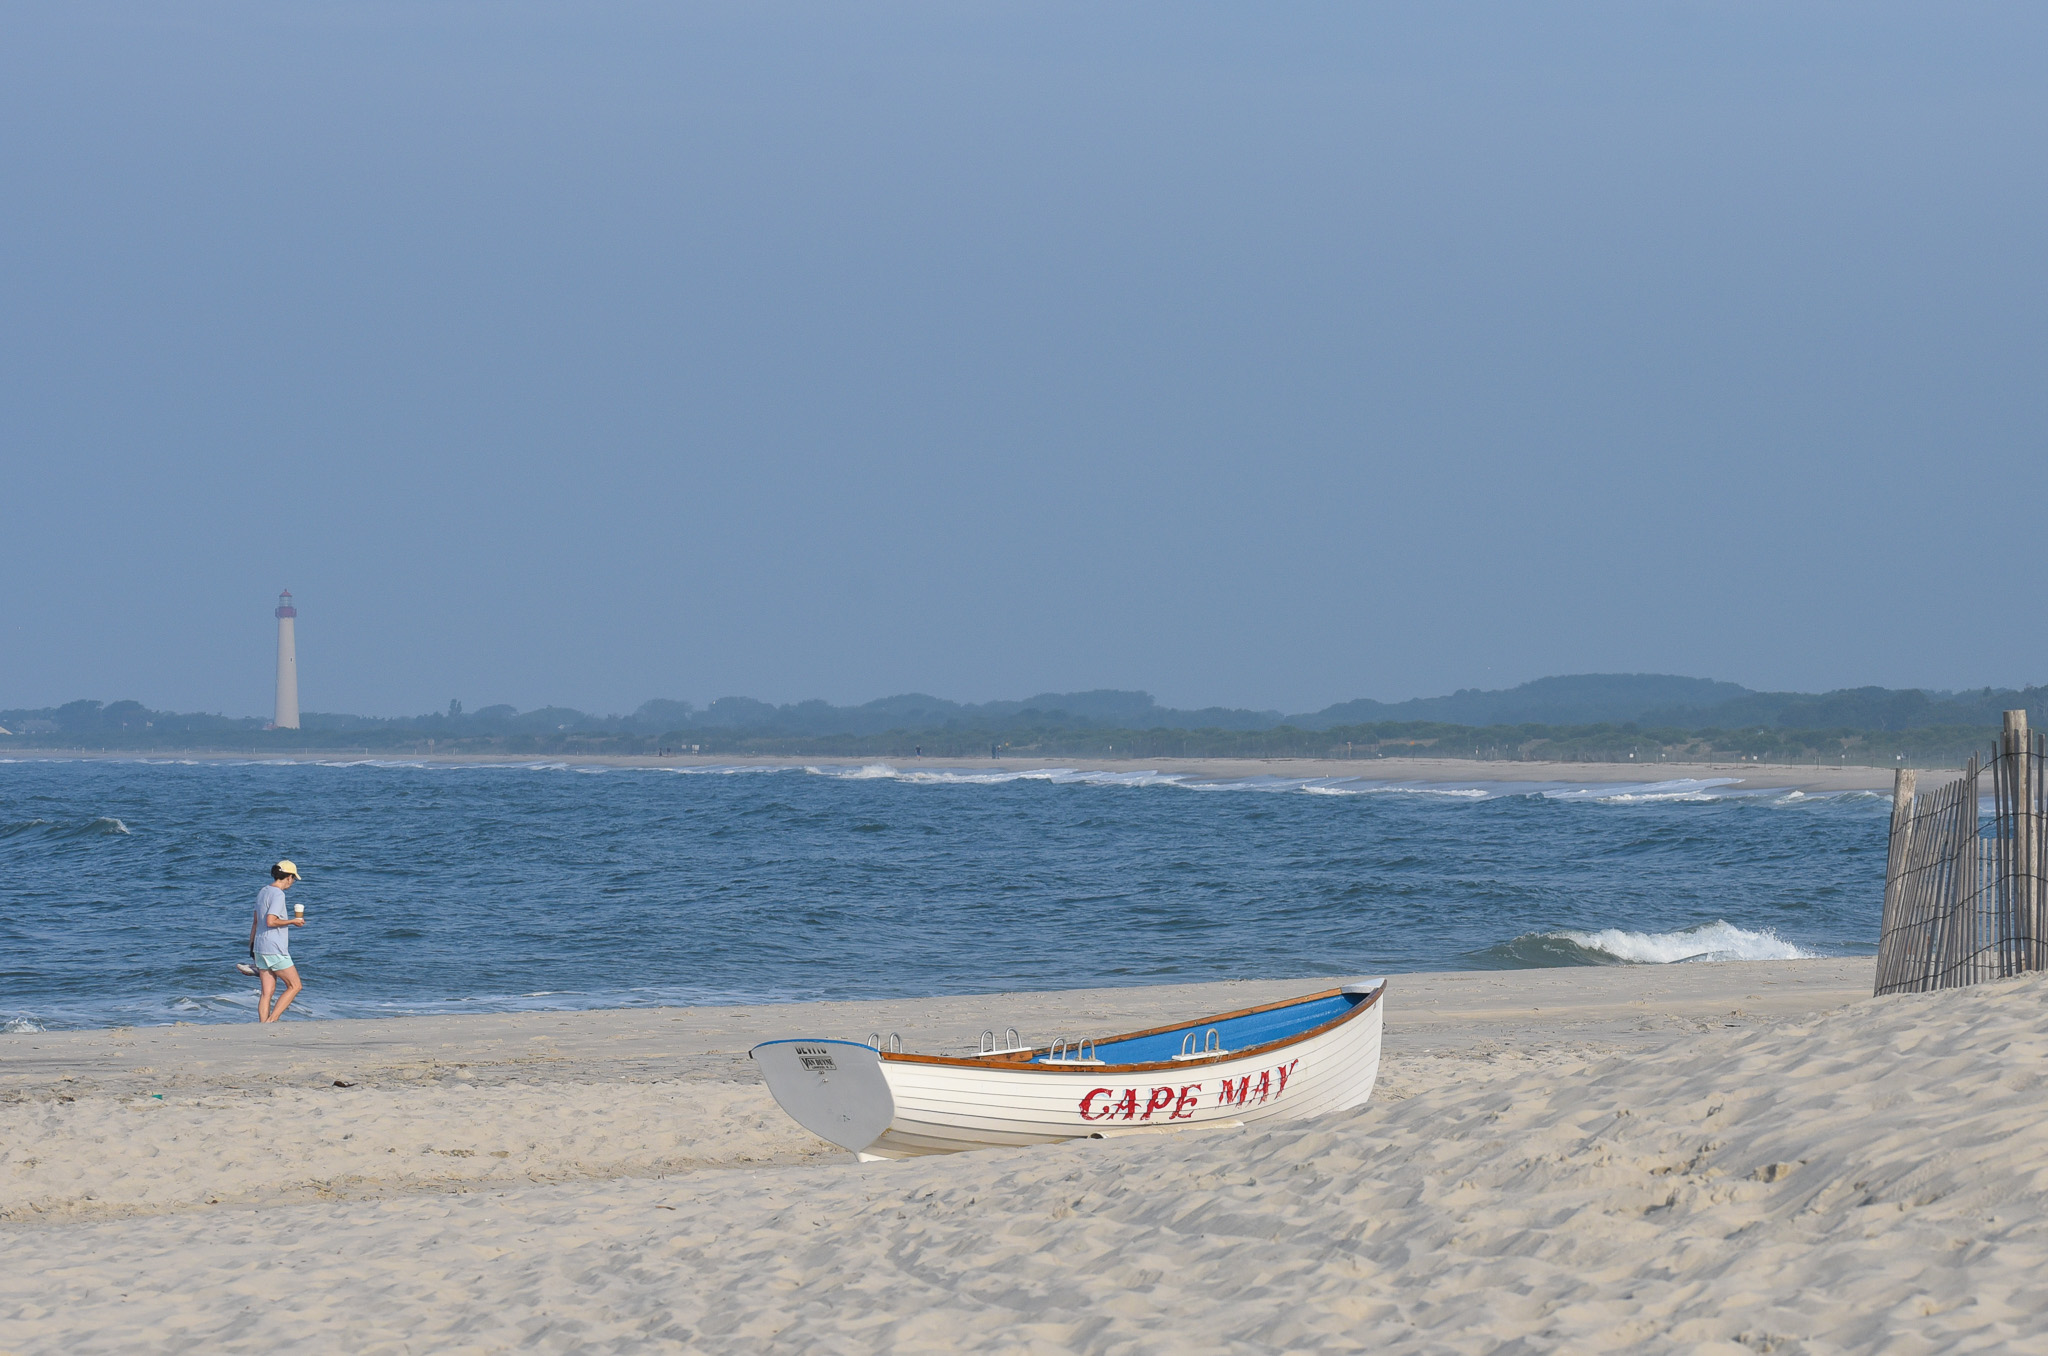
x: 1697, y: 1157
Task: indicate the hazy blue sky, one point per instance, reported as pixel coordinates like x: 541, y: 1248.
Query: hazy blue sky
x: 1263, y: 355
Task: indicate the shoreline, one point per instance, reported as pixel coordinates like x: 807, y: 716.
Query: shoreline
x: 1429, y: 771
x: 1603, y: 1004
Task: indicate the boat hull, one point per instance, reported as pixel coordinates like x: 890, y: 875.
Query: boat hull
x: 944, y: 1105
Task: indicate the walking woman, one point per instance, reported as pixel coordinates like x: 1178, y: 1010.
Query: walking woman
x: 270, y: 942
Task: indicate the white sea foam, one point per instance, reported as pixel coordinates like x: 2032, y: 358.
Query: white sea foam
x: 1677, y: 790
x: 1796, y: 797
x: 869, y: 772
x: 1394, y: 789
x: 1716, y: 941
x: 1640, y: 793
x: 1607, y: 793
x: 1266, y: 784
x: 349, y: 762
x: 727, y: 770
x: 1149, y: 778
x: 19, y: 1026
x: 994, y: 776
x: 991, y: 778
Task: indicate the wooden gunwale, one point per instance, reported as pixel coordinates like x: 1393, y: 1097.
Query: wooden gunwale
x: 1019, y: 1061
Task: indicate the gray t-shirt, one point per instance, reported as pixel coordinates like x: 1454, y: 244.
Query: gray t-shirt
x: 272, y: 941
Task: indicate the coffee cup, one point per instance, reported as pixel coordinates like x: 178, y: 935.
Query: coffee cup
x: 298, y: 910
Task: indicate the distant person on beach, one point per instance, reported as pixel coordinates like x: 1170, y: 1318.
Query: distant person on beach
x: 270, y: 942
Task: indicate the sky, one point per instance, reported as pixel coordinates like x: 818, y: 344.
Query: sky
x: 1250, y: 355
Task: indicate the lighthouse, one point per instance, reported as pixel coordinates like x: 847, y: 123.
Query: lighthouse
x: 287, y: 665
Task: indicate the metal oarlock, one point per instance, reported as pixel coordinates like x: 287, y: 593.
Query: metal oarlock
x: 1011, y: 1043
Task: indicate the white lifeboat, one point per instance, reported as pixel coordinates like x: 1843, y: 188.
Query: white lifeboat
x: 1306, y: 1056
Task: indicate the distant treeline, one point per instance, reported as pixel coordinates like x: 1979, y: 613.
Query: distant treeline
x: 1595, y: 717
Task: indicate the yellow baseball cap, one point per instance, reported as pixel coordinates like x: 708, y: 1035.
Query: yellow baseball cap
x: 289, y: 868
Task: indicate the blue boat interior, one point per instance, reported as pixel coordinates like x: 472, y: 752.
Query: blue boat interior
x: 1234, y: 1033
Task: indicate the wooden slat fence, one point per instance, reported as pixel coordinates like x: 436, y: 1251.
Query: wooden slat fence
x: 1962, y: 906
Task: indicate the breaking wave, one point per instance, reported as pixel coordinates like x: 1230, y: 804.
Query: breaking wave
x: 1719, y: 940
x: 1678, y: 790
x: 995, y: 776
x: 1717, y: 789
x: 1362, y: 784
x: 1395, y: 789
x: 1643, y: 793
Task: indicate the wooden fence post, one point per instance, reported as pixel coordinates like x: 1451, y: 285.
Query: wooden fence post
x: 2021, y: 843
x: 2037, y: 765
x: 1894, y: 916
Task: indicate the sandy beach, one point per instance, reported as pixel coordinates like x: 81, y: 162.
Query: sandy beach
x: 1762, y: 776
x: 1738, y: 1156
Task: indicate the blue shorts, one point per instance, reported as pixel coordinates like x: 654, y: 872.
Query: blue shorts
x: 273, y: 962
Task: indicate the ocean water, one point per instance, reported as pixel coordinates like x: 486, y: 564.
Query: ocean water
x: 126, y: 888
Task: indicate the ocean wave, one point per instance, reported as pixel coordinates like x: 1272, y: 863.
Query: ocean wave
x: 356, y: 762
x: 1642, y: 793
x: 1272, y: 785
x: 1059, y: 776
x: 505, y: 765
x: 1396, y: 789
x: 1678, y: 790
x: 992, y: 777
x: 1185, y: 781
x: 1099, y: 777
x: 106, y: 826
x: 1719, y: 940
x: 1674, y: 791
x: 1798, y: 797
x: 239, y: 1006
x: 867, y: 772
x: 102, y: 827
